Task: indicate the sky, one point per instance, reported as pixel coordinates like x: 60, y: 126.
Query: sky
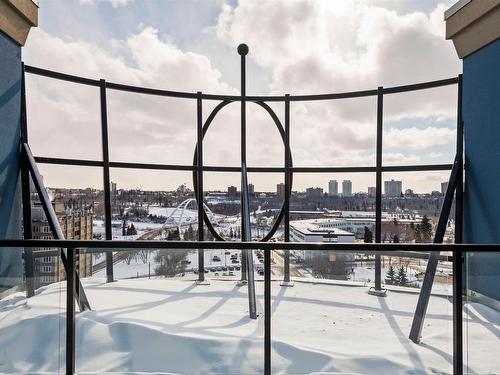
x: 296, y: 47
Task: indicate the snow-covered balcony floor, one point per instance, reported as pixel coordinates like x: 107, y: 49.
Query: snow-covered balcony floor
x: 176, y: 326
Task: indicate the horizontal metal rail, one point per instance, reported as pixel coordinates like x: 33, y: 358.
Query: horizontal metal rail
x: 265, y: 98
x: 120, y: 245
x: 207, y: 168
x: 399, y: 254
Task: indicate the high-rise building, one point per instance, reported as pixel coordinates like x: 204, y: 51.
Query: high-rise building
x: 444, y: 187
x: 280, y: 190
x: 112, y: 187
x: 76, y: 224
x: 314, y: 192
x: 232, y: 191
x: 347, y: 188
x: 372, y: 191
x: 333, y: 187
x: 251, y: 189
x: 393, y: 188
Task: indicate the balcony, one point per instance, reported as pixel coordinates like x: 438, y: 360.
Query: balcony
x: 267, y: 317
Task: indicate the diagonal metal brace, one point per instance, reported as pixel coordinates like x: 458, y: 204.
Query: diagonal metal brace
x: 81, y: 298
x: 430, y: 272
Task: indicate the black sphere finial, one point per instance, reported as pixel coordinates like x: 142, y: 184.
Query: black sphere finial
x: 243, y: 49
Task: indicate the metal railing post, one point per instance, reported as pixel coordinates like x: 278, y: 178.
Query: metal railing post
x: 106, y: 180
x: 378, y: 193
x: 458, y: 257
x: 243, y: 51
x: 70, y: 312
x: 267, y: 313
x: 199, y: 191
x: 288, y: 192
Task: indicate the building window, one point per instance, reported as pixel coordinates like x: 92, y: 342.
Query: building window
x: 46, y: 269
x: 46, y: 279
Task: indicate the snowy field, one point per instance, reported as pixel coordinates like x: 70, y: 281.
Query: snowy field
x: 176, y: 326
x: 139, y: 268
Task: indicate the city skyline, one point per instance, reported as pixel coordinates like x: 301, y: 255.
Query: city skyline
x: 279, y: 189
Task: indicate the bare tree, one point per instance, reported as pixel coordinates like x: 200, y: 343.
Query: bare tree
x: 170, y: 262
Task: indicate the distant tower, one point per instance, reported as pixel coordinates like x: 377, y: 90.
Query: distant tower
x: 280, y: 190
x: 347, y: 188
x: 232, y: 191
x: 393, y: 188
x: 333, y: 187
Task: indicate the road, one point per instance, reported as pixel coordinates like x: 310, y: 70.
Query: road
x: 120, y: 256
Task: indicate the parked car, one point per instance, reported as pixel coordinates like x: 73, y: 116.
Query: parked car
x: 237, y: 268
x: 216, y: 258
x: 219, y: 268
x: 230, y: 268
x: 235, y: 261
x: 213, y: 269
x: 227, y: 252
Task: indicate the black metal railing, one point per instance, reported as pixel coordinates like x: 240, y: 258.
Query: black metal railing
x: 90, y: 246
x: 198, y: 167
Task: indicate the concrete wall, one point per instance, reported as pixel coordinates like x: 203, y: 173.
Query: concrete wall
x: 10, y: 198
x: 481, y: 114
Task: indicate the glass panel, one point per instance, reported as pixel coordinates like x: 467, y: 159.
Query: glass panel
x: 333, y: 321
x: 411, y: 206
x: 223, y: 199
x: 265, y: 147
x: 32, y: 330
x: 168, y: 323
x: 334, y: 202
x: 64, y: 119
x: 334, y: 132
x: 420, y: 127
x: 151, y: 129
x: 222, y: 141
x: 482, y: 313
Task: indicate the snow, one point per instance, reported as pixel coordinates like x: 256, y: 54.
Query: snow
x: 122, y: 270
x: 177, y: 326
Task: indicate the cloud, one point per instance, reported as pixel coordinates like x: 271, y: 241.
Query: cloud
x: 304, y: 46
x: 330, y: 46
x: 418, y: 139
x: 64, y: 119
x: 114, y: 3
